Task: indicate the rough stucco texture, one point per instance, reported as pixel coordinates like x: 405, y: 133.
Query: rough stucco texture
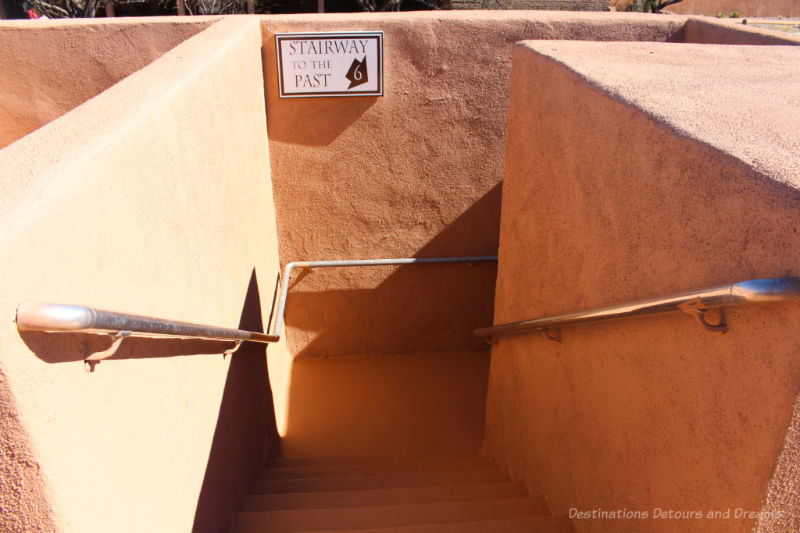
x: 23, y: 497
x: 160, y: 207
x: 705, y: 30
x: 635, y: 171
x: 781, y: 510
x: 52, y: 67
x: 745, y: 8
x: 413, y: 173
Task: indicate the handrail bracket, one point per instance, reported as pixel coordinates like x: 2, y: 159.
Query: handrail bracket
x: 555, y: 336
x: 92, y: 360
x: 233, y: 350
x: 489, y: 339
x: 697, y: 309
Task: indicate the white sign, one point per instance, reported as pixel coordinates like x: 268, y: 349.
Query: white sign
x: 330, y: 64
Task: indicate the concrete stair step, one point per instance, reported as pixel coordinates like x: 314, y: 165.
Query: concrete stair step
x: 381, y: 516
x: 530, y: 524
x: 301, y: 462
x: 379, y: 481
x: 363, y: 469
x: 386, y: 497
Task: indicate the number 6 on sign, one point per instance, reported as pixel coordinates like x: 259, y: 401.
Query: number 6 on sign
x: 357, y: 73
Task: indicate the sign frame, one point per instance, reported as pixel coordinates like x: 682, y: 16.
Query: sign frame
x: 377, y: 35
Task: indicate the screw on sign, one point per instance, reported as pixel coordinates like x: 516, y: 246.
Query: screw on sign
x: 357, y: 73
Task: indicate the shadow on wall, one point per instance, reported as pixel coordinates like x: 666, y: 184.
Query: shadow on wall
x: 425, y: 390
x: 246, y: 434
x: 61, y: 348
x: 328, y: 120
x: 402, y: 405
x: 420, y: 308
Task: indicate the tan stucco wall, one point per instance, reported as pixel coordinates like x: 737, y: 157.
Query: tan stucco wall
x: 161, y: 207
x: 636, y: 171
x: 707, y: 30
x: 402, y: 405
x: 50, y: 67
x: 413, y: 173
x: 745, y: 8
x: 781, y: 509
x: 24, y: 498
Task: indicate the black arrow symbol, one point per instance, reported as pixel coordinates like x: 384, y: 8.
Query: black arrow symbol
x: 357, y: 73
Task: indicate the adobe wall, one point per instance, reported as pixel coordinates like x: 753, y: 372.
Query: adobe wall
x: 164, y: 208
x: 50, y: 67
x: 160, y: 207
x: 395, y: 406
x: 416, y: 172
x: 745, y: 8
x: 635, y: 171
x: 23, y: 494
x: 706, y: 30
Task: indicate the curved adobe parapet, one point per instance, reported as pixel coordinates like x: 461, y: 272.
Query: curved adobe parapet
x: 743, y: 8
x: 49, y: 67
x: 708, y: 30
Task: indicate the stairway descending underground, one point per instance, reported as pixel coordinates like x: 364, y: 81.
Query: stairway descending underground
x: 459, y: 493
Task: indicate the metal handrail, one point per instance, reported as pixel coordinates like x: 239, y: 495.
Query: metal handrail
x: 287, y: 272
x: 81, y: 319
x: 695, y: 303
